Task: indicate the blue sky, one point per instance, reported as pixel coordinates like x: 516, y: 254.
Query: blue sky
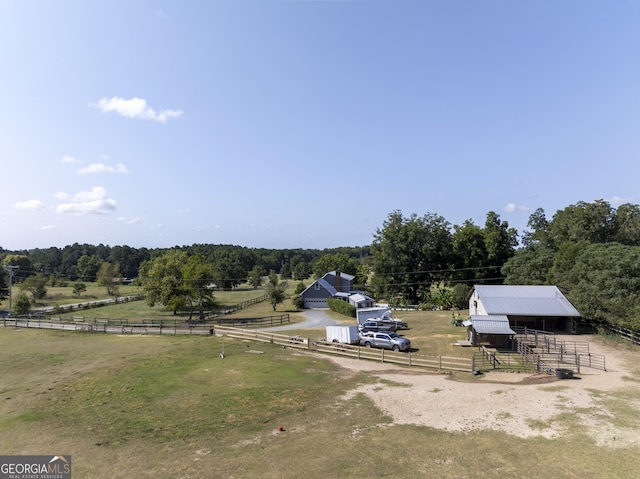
x: 286, y: 124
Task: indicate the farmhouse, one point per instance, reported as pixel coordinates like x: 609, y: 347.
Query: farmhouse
x: 334, y: 284
x: 537, y: 307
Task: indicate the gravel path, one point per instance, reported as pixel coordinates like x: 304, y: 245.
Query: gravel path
x: 315, y: 319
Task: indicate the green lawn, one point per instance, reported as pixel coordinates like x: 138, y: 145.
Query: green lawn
x: 170, y: 407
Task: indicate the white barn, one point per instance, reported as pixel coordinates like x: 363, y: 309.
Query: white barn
x: 538, y: 307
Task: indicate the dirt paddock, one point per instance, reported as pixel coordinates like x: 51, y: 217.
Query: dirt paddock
x: 520, y: 404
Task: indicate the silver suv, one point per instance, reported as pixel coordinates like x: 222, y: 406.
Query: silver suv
x: 389, y: 340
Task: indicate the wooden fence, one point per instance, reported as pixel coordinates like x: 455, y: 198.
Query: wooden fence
x: 348, y: 350
x: 624, y: 333
x: 103, y: 326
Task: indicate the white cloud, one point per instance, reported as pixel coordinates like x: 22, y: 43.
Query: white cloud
x: 512, y: 207
x: 94, y: 202
x: 102, y: 168
x: 69, y: 159
x: 62, y: 196
x: 135, y: 108
x: 30, y: 205
x: 619, y: 200
x: 45, y: 227
x: 184, y: 210
x: 130, y: 221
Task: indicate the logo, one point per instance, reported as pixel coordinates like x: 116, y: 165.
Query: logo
x: 35, y: 467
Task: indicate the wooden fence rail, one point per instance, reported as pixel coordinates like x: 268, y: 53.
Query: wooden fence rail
x: 624, y: 333
x: 322, y: 346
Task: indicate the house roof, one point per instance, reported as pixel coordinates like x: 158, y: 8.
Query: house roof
x: 324, y: 283
x: 525, y: 301
x: 346, y: 276
x: 494, y: 324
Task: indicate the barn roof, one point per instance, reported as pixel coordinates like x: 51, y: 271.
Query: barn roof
x: 494, y: 324
x: 525, y: 301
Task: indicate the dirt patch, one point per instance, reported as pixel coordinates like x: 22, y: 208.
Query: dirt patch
x: 523, y: 405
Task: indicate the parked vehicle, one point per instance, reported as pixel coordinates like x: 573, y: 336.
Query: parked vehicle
x: 381, y: 340
x: 374, y: 325
x: 396, y: 323
x: 379, y: 313
x: 343, y: 334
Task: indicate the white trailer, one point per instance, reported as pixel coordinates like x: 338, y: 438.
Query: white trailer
x: 343, y: 334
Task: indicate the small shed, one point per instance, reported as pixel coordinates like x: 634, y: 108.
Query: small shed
x: 493, y: 330
x: 360, y: 300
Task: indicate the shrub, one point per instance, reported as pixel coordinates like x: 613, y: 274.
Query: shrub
x: 342, y: 307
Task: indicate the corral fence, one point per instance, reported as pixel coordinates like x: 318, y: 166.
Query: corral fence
x: 137, y: 326
x: 265, y: 322
x: 409, y: 358
x: 123, y: 326
x: 486, y: 359
x: 552, y: 354
x: 539, y: 351
x: 242, y: 305
x: 118, y: 326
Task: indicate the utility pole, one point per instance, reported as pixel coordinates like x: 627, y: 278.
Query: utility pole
x: 11, y: 268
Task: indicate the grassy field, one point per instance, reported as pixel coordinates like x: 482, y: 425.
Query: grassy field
x: 170, y: 407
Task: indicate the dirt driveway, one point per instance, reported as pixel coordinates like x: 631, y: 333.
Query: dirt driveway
x: 520, y: 404
x: 314, y: 319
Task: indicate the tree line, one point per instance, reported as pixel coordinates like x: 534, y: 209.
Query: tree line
x: 589, y: 250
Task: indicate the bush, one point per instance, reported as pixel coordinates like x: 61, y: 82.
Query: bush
x: 298, y: 302
x: 342, y: 307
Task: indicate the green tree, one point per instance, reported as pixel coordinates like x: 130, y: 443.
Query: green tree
x: 409, y: 254
x: 301, y: 271
x: 300, y: 287
x: 87, y: 267
x: 285, y: 271
x: 22, y: 262
x: 4, y: 284
x: 500, y: 241
x: 255, y: 276
x: 460, y: 295
x: 21, y: 305
x: 627, y: 224
x: 275, y: 290
x: 469, y: 251
x: 36, y: 285
x: 538, y: 234
x: 228, y: 271
x: 109, y: 276
x: 79, y: 288
x: 335, y: 262
x: 198, y: 284
x: 604, y: 283
x: 529, y: 266
x: 593, y: 222
x: 161, y: 280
